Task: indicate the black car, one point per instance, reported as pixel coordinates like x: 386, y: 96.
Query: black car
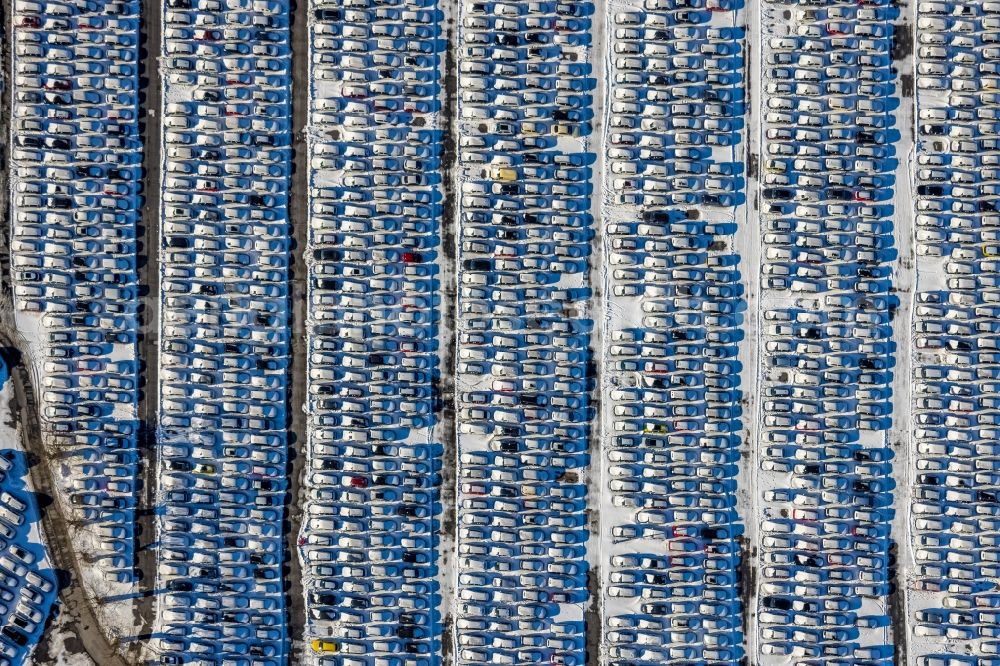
x: 327, y: 254
x: 15, y: 635
x: 867, y: 138
x: 778, y: 193
x: 324, y: 598
x: 412, y: 618
x: 477, y: 264
x: 178, y: 465
x: 536, y: 399
x: 780, y: 603
x: 411, y: 557
x: 380, y: 359
x: 660, y: 216
x: 328, y: 15
x: 930, y: 190
x: 416, y: 648
x: 410, y: 631
x: 656, y: 609
x: 509, y: 445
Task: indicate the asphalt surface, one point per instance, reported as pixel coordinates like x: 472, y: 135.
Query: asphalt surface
x: 298, y: 218
x: 149, y: 272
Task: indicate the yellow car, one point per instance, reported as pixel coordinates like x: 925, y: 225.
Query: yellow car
x: 567, y: 130
x: 530, y: 127
x: 503, y: 173
x: 320, y: 645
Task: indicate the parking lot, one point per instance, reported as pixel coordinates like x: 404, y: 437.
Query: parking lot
x: 827, y: 304
x: 74, y: 173
x: 663, y: 454
x: 27, y: 579
x: 524, y: 370
x: 224, y: 338
x: 954, y: 398
x: 369, y: 542
x: 676, y: 316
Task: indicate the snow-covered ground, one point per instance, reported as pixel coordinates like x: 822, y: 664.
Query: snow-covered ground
x: 60, y: 647
x: 813, y: 323
x: 398, y: 317
x: 948, y: 552
x: 637, y: 528
x: 521, y: 468
x: 29, y: 536
x: 116, y: 610
x: 904, y: 278
x: 51, y: 373
x: 729, y: 440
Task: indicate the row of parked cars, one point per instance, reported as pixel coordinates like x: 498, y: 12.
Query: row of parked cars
x: 677, y: 99
x: 224, y: 253
x: 673, y: 415
x: 75, y: 164
x: 370, y: 536
x: 524, y: 370
x: 828, y: 97
x: 955, y: 392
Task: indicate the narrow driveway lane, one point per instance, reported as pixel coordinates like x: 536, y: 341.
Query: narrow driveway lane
x: 298, y: 218
x: 149, y: 280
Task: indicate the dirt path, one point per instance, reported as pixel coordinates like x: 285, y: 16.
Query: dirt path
x: 298, y: 220
x: 149, y: 313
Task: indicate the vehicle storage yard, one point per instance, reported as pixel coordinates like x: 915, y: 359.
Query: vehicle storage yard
x: 403, y: 332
